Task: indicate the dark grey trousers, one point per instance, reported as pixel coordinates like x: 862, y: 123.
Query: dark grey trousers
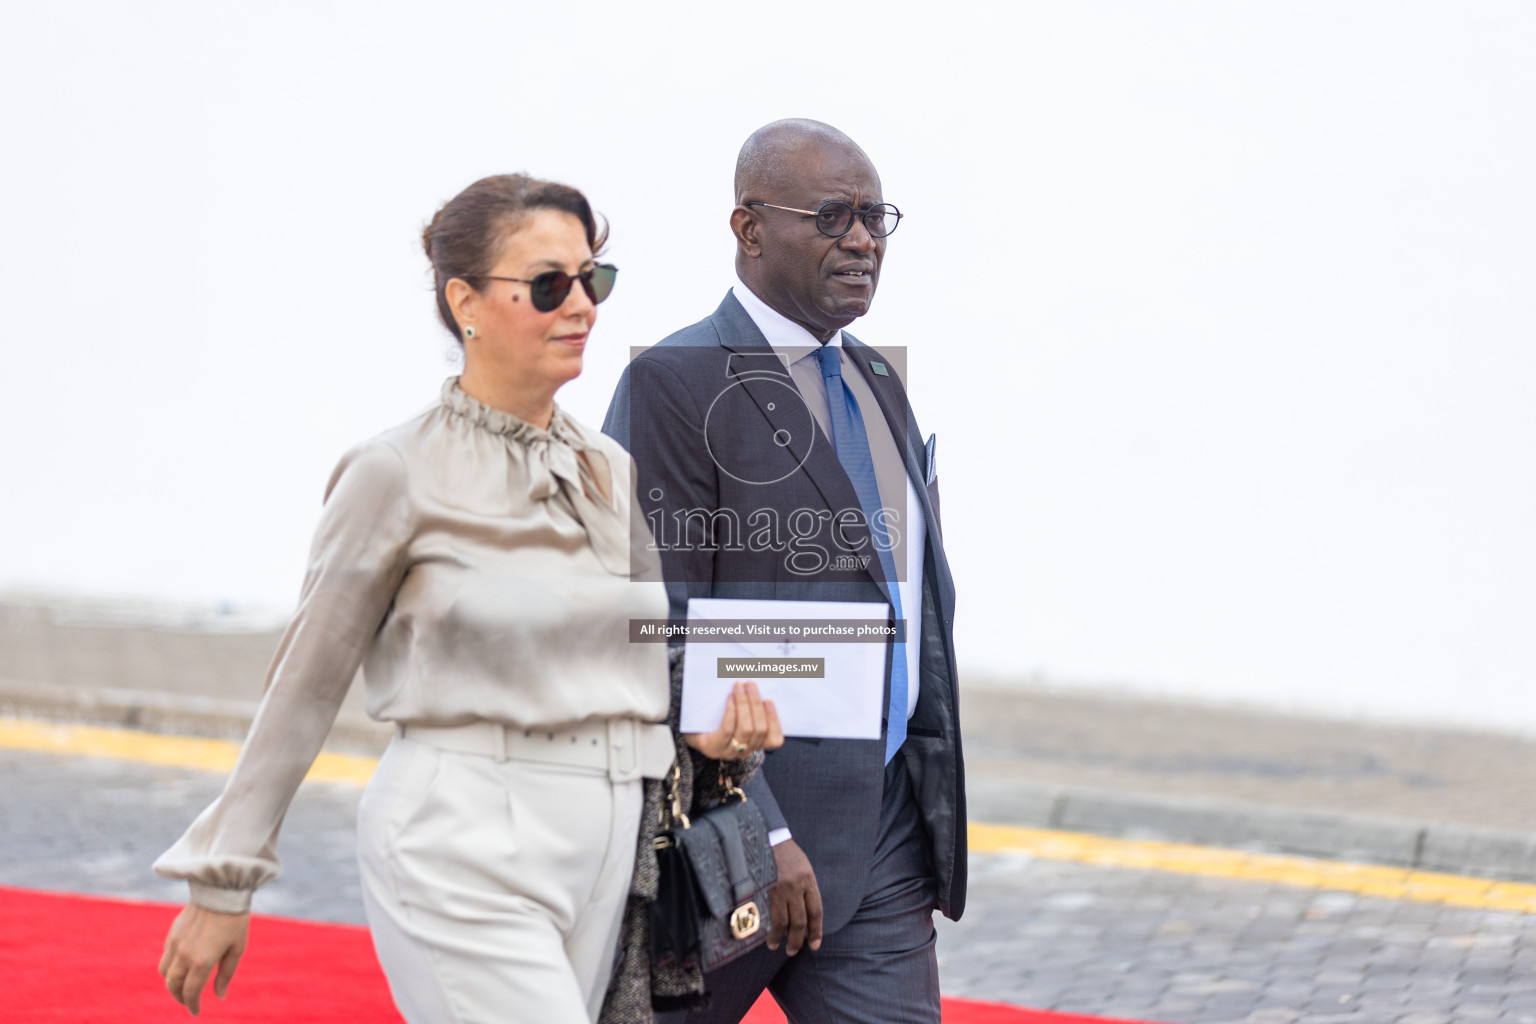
x: 880, y: 968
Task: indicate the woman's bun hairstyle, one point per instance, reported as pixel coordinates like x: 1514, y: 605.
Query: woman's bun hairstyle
x: 464, y: 237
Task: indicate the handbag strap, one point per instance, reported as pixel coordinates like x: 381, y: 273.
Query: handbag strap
x: 670, y: 814
x: 673, y: 803
x: 729, y: 834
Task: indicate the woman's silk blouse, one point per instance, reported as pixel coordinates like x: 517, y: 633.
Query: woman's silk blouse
x: 475, y: 567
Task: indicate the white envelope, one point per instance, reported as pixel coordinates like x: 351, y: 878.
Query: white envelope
x: 844, y: 704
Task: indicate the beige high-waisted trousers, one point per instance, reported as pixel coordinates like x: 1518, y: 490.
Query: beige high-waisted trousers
x: 494, y: 889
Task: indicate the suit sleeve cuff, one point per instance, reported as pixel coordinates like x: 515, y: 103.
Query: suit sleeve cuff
x: 779, y: 835
x: 759, y: 793
x: 225, y: 901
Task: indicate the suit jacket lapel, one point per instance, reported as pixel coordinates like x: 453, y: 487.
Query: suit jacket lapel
x: 740, y: 335
x: 898, y: 416
x: 892, y: 397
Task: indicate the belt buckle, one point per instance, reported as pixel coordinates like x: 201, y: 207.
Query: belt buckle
x: 623, y: 750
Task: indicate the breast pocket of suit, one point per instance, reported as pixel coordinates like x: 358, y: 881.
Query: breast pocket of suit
x: 931, y: 478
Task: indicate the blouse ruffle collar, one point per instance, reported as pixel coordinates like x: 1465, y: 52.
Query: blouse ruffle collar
x: 561, y: 459
x: 498, y: 422
x: 559, y: 453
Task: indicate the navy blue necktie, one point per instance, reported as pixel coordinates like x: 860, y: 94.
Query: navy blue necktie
x: 852, y: 444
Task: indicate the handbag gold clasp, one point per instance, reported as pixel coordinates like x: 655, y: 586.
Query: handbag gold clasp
x: 745, y: 920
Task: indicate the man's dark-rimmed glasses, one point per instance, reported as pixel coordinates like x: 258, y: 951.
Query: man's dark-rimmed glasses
x: 835, y: 219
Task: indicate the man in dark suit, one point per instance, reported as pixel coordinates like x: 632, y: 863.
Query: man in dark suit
x: 778, y: 460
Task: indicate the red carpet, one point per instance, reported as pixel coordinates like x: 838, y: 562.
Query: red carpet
x: 93, y: 961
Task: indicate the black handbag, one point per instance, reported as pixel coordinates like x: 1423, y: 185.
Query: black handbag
x: 715, y: 873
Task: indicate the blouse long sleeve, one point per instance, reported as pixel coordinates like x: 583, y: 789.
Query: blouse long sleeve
x: 355, y: 567
x: 477, y: 568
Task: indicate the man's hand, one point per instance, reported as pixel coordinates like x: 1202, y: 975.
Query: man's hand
x: 795, y: 901
x: 200, y: 940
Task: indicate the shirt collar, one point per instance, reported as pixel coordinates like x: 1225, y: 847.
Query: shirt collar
x: 784, y: 336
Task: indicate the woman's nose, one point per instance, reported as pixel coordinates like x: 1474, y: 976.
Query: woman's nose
x: 578, y: 302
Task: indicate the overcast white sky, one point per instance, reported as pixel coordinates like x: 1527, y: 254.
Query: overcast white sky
x: 1221, y: 311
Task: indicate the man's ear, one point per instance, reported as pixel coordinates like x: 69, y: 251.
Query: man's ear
x: 748, y: 231
x: 463, y: 300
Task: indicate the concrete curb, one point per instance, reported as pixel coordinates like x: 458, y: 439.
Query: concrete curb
x: 1422, y: 845
x: 175, y: 713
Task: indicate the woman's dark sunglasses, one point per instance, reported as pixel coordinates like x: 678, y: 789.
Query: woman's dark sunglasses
x: 549, y: 290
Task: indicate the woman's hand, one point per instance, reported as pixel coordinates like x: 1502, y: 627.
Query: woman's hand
x: 749, y: 724
x: 200, y: 940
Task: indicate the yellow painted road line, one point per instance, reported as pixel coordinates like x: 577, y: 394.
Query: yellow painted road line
x: 1181, y: 858
x: 152, y: 748
x: 1077, y: 847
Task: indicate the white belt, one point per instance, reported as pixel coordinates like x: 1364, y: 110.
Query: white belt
x: 625, y: 748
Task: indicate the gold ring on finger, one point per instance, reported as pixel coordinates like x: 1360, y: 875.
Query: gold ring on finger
x: 738, y: 746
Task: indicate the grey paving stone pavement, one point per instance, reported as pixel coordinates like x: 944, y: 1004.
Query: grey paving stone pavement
x: 1439, y: 799
x: 1083, y: 939
x: 94, y: 825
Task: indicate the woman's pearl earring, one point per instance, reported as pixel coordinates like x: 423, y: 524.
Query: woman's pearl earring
x: 469, y: 332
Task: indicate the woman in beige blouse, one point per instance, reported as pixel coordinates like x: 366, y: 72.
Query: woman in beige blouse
x: 478, y: 562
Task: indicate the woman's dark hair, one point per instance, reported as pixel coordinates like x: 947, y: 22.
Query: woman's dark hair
x: 465, y: 236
